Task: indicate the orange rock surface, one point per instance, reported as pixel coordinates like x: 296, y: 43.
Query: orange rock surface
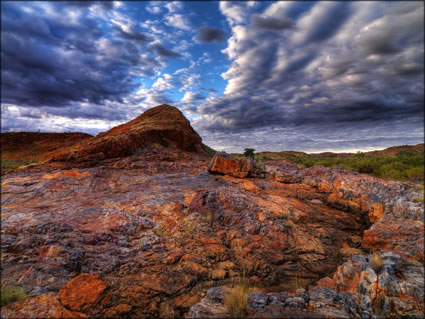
x: 81, y: 292
x: 148, y: 234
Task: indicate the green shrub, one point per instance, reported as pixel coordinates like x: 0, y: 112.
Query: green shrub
x: 211, y: 152
x: 12, y: 294
x: 160, y: 232
x: 283, y: 215
x: 249, y: 152
x: 415, y: 173
x: 405, y: 166
x: 261, y: 158
x: 190, y: 229
x: 415, y: 263
x: 207, y: 219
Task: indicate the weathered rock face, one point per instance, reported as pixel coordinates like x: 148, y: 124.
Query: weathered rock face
x: 282, y: 171
x: 224, y: 164
x: 164, y: 125
x: 394, y: 287
x: 43, y: 306
x: 148, y: 235
x: 81, y: 292
x: 358, y: 290
x: 319, y: 302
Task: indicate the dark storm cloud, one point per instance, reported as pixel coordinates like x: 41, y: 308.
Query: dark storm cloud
x: 133, y: 34
x: 48, y: 60
x: 299, y: 63
x: 166, y: 52
x: 270, y: 23
x: 329, y: 21
x: 352, y: 68
x: 210, y: 35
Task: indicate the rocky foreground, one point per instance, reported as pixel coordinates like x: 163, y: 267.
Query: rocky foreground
x: 164, y: 231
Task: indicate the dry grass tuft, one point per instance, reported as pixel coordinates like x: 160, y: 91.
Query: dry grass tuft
x: 190, y: 229
x: 377, y: 263
x: 289, y: 224
x: 236, y: 301
x: 418, y: 199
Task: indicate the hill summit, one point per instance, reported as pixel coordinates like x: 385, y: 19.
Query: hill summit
x: 164, y: 125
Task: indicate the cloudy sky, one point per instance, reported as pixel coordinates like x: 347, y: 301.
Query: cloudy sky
x: 308, y: 76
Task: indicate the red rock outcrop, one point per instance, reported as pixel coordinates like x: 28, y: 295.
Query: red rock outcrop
x: 81, y: 292
x: 361, y: 287
x: 224, y: 164
x: 148, y: 235
x: 163, y: 125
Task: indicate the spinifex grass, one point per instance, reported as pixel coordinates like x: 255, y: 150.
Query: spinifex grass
x: 236, y: 299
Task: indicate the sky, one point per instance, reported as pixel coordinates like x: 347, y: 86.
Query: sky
x: 273, y: 76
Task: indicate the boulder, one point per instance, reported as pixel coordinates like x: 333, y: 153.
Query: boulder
x: 223, y: 164
x: 81, y: 292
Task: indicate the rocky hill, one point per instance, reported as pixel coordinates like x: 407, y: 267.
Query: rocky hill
x: 23, y: 148
x: 163, y: 125
x: 23, y: 143
x: 162, y: 231
x: 390, y: 151
x: 394, y: 150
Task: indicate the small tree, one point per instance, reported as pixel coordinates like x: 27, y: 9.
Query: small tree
x: 249, y: 152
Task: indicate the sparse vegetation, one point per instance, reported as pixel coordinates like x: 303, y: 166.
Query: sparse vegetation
x: 283, y: 215
x: 289, y: 224
x: 8, y: 165
x: 419, y: 199
x: 419, y: 186
x: 211, y: 152
x: 261, y: 158
x: 190, y: 229
x: 25, y: 148
x: 207, y: 219
x: 377, y: 263
x: 403, y: 165
x: 160, y: 232
x: 236, y: 299
x: 415, y: 263
x: 249, y: 152
x: 12, y: 294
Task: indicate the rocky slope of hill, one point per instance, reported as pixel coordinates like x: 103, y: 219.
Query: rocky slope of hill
x: 163, y: 125
x: 23, y: 148
x: 166, y: 233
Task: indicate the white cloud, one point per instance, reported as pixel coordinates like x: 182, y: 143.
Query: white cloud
x: 235, y: 12
x: 154, y: 7
x: 178, y: 21
x: 174, y: 6
x: 165, y: 82
x: 190, y: 82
